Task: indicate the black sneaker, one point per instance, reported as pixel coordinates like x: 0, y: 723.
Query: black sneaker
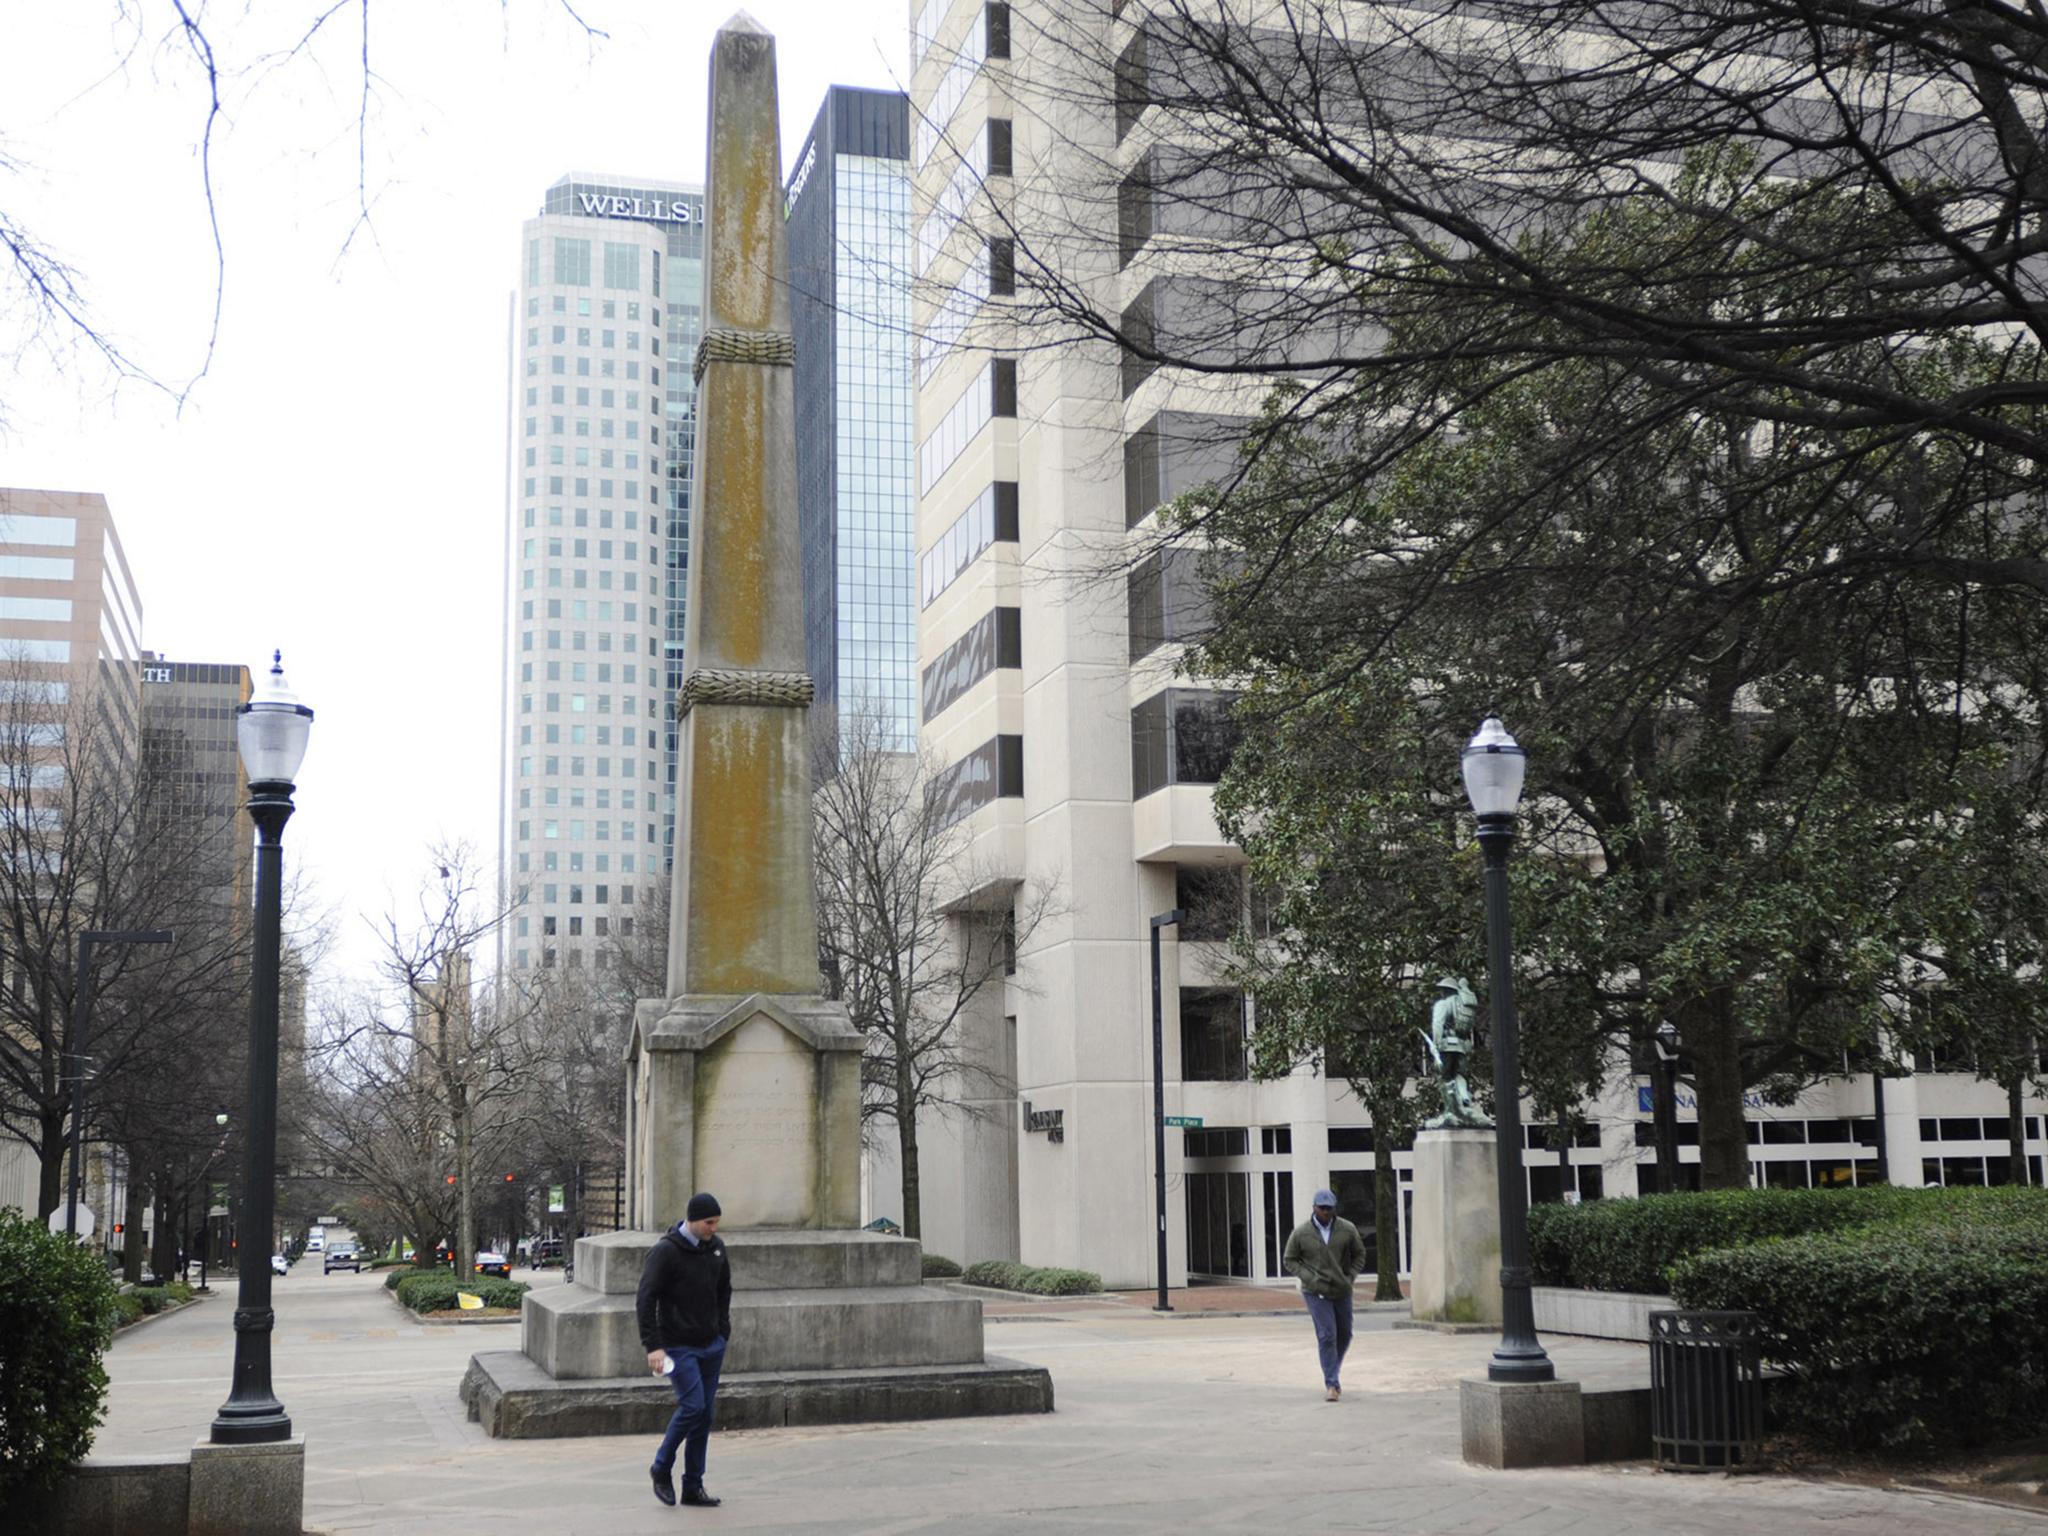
x: 664, y: 1486
x: 700, y: 1498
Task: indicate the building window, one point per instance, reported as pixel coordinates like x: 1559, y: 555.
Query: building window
x: 992, y: 771
x: 996, y: 640
x: 1211, y: 900
x: 1181, y: 736
x: 622, y: 266
x: 998, y: 146
x: 1212, y: 1036
x: 1002, y: 267
x: 991, y: 518
x: 1168, y: 600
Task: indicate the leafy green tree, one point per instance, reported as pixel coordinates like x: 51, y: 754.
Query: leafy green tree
x: 1764, y: 776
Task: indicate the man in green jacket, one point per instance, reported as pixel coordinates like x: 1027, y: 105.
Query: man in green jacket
x: 1325, y: 1254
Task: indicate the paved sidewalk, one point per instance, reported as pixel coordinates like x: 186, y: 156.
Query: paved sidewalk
x: 1183, y: 1424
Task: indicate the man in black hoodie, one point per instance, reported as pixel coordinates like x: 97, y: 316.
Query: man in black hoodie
x: 685, y: 1310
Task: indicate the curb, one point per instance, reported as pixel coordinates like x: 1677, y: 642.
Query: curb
x: 156, y: 1317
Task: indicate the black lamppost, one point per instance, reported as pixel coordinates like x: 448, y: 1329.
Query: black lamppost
x: 1493, y: 766
x: 220, y: 1121
x: 1666, y: 1041
x: 1162, y: 920
x: 271, y: 731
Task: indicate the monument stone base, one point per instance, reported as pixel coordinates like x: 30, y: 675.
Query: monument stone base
x: 828, y: 1327
x: 514, y: 1399
x: 1455, y: 1229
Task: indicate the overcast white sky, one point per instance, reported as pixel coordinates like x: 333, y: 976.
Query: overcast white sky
x: 334, y: 485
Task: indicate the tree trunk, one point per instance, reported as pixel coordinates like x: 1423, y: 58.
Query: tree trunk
x: 50, y: 1186
x: 2016, y: 1134
x: 163, y: 1237
x: 906, y: 1135
x: 1386, y: 1213
x: 133, y: 1207
x: 1716, y: 1051
x: 465, y: 1221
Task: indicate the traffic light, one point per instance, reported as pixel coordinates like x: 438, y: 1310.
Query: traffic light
x: 508, y: 1179
x: 117, y: 1229
x: 451, y: 1178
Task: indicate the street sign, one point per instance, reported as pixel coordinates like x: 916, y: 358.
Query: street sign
x: 555, y: 1206
x: 1184, y: 1122
x: 85, y: 1220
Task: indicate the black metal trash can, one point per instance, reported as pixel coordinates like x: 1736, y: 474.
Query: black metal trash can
x: 1706, y: 1390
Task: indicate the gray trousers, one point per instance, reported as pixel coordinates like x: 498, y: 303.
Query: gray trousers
x: 1333, y: 1332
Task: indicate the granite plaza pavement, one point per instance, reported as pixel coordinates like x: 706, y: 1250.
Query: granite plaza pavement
x: 1196, y: 1422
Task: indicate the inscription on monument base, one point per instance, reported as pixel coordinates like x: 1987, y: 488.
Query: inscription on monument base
x: 757, y: 1125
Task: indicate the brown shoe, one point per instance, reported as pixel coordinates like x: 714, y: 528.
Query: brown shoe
x: 1329, y: 1394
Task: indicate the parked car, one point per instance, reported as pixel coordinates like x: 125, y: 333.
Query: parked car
x: 548, y: 1253
x: 489, y: 1262
x: 279, y: 1264
x: 341, y: 1256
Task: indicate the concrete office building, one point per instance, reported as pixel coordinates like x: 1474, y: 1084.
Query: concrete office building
x: 70, y: 646
x: 849, y: 254
x: 1079, y: 761
x: 190, y: 751
x: 602, y: 433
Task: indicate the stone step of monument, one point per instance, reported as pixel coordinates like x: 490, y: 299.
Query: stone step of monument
x: 763, y: 1259
x: 576, y: 1333
x: 512, y: 1398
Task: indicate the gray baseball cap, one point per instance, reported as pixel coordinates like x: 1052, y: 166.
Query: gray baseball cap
x: 1324, y: 1197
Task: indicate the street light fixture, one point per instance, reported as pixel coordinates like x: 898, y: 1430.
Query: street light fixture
x: 1493, y: 767
x: 1161, y: 920
x: 271, y: 731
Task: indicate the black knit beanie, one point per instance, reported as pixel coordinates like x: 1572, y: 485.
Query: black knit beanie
x: 703, y: 1206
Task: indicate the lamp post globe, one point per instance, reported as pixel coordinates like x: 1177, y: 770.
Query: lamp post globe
x: 1494, y: 764
x: 271, y: 730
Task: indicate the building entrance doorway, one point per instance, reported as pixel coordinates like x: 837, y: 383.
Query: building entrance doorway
x: 1219, y: 1224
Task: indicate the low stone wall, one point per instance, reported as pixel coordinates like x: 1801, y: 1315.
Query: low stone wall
x: 210, y: 1490
x: 1597, y: 1314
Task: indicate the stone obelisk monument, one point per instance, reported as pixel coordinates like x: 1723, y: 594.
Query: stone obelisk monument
x: 745, y: 1079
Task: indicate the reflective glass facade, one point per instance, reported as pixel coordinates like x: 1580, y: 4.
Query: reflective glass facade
x: 605, y: 324
x: 849, y: 241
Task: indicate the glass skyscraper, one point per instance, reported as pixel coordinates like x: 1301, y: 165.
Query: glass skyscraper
x: 603, y: 434
x: 849, y: 248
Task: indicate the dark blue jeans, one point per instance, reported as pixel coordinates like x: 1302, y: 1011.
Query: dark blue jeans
x: 1333, y: 1333
x: 695, y: 1379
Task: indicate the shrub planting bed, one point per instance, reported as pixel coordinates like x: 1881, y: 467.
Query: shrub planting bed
x: 435, y: 1291
x: 1007, y: 1275
x: 1630, y: 1245
x: 57, y: 1312
x: 1905, y: 1335
x: 938, y: 1267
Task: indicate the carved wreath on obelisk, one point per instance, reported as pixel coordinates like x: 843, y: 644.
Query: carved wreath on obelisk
x: 1449, y: 1039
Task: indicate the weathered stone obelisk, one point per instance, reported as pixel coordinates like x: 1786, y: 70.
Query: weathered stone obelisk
x: 745, y: 1079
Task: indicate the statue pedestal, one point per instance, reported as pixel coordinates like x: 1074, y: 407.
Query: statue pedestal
x: 1454, y: 1228
x: 827, y: 1328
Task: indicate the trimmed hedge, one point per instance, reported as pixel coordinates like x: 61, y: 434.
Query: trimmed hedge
x: 57, y: 1314
x: 434, y: 1291
x: 938, y: 1267
x: 391, y: 1279
x: 1909, y: 1335
x: 1062, y: 1282
x: 1630, y: 1245
x: 1007, y: 1275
